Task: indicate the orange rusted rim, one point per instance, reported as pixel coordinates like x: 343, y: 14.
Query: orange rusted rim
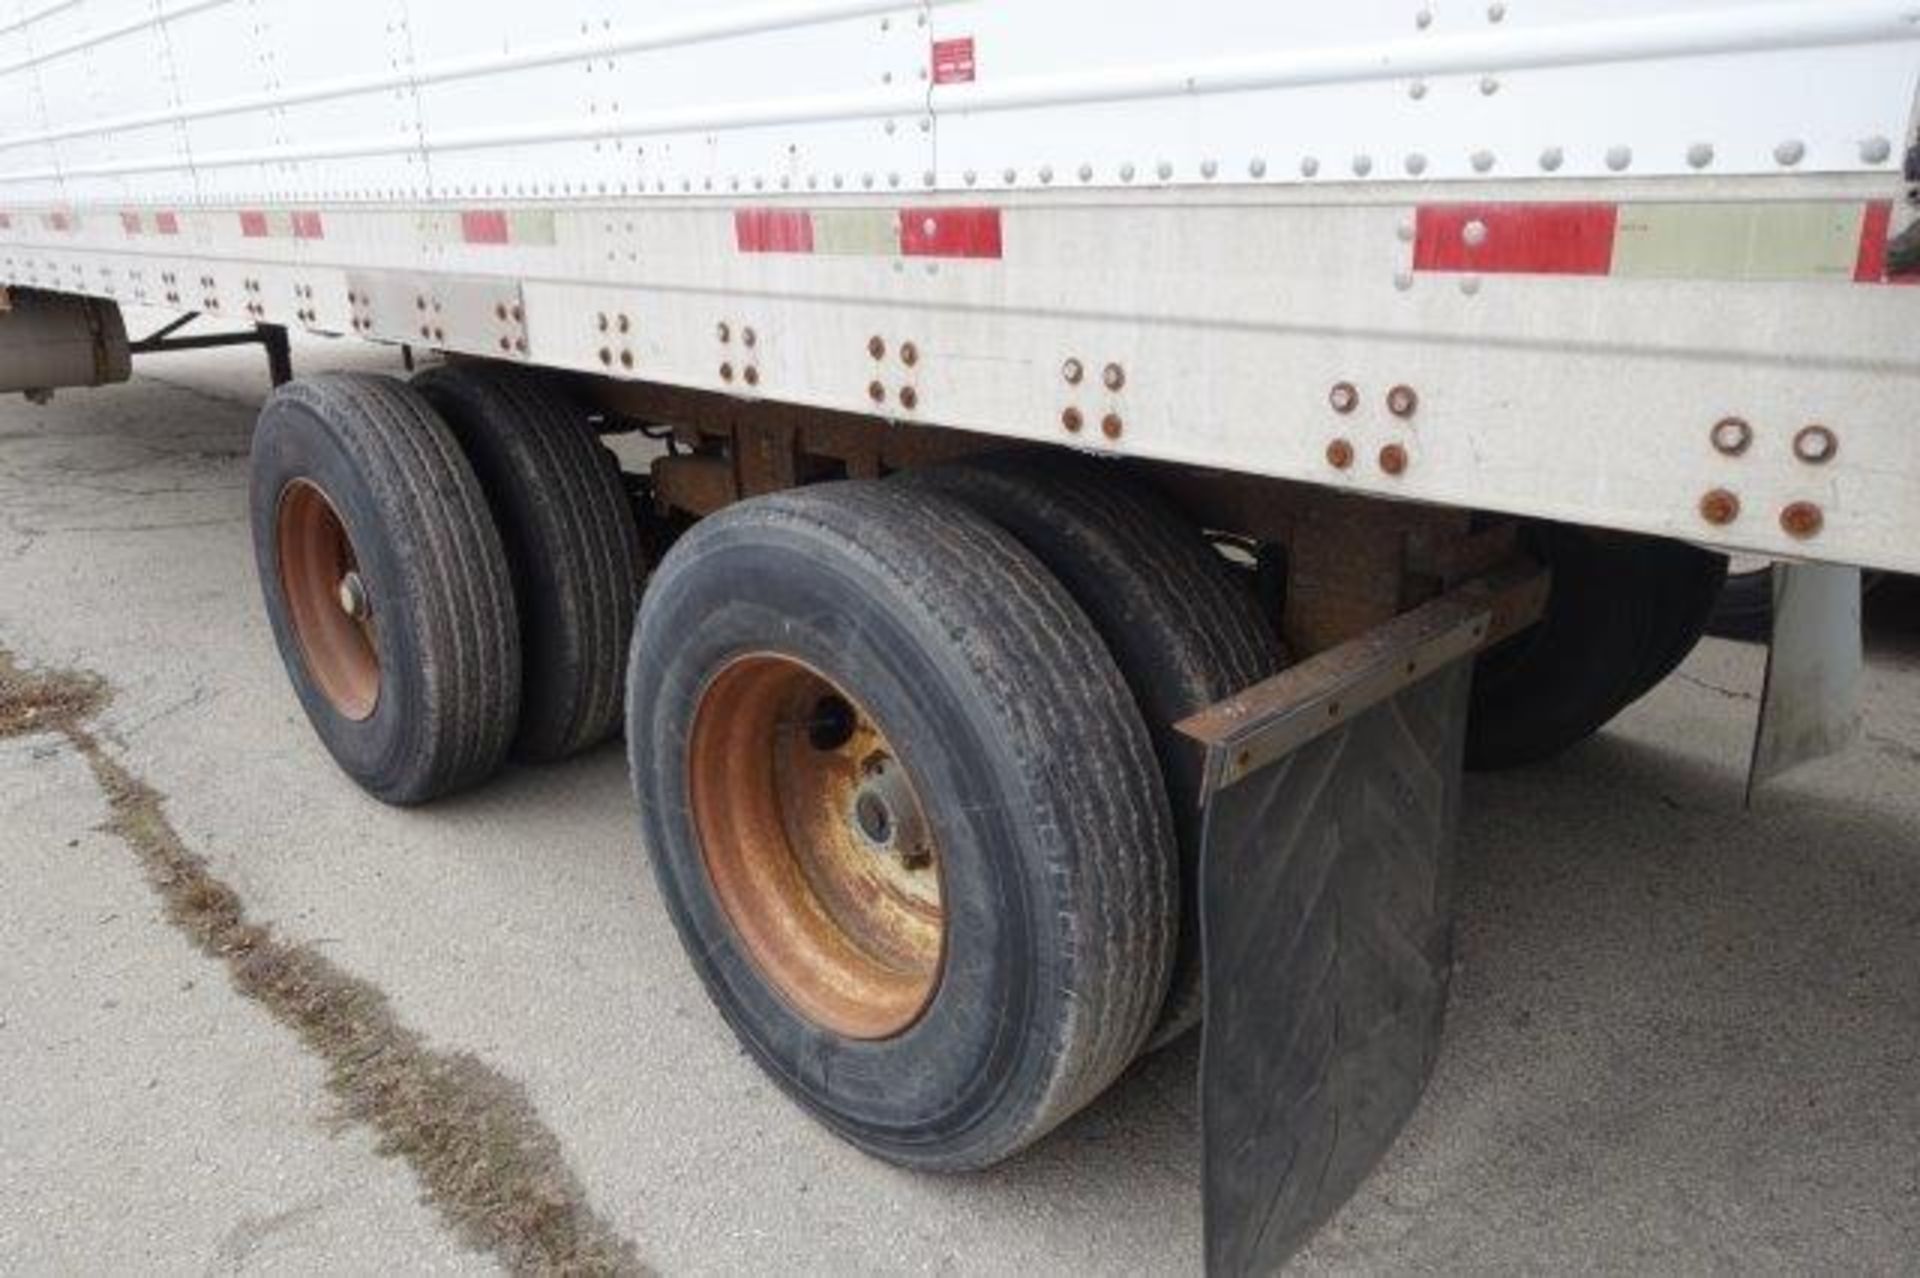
x: 817, y: 846
x: 327, y: 599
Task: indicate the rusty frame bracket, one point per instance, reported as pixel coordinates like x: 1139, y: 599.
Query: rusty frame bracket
x: 1278, y: 716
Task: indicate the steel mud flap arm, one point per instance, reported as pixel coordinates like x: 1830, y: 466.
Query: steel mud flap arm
x: 1325, y: 910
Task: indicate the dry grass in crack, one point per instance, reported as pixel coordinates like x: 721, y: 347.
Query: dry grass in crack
x: 471, y: 1135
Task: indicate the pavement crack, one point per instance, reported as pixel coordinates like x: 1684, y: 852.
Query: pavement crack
x: 486, y: 1162
x: 1732, y: 694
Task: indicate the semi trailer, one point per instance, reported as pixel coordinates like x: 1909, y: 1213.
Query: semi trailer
x: 1118, y: 466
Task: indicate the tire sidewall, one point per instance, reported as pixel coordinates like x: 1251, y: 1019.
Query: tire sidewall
x: 939, y: 1085
x: 294, y: 442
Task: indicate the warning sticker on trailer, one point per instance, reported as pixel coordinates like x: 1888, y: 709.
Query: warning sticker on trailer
x: 953, y: 61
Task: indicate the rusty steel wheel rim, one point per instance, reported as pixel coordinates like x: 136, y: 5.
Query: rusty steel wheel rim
x: 817, y: 846
x: 327, y: 600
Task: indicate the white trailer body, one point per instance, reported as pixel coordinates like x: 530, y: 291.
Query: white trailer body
x: 1581, y: 234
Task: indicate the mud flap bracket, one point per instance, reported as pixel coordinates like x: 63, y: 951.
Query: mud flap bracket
x: 1332, y: 791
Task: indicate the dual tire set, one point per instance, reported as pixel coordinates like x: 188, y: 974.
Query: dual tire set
x: 904, y: 749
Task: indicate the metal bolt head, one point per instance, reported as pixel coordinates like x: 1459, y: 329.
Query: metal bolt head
x: 352, y: 595
x: 750, y: 375
x: 1393, y: 459
x: 909, y: 398
x: 1114, y: 377
x: 1731, y: 436
x: 1402, y: 401
x: 724, y: 333
x: 1802, y: 519
x: 1815, y: 445
x: 606, y: 355
x: 876, y: 392
x: 748, y: 337
x: 877, y: 347
x: 1072, y: 420
x: 1719, y: 507
x: 1343, y: 397
x: 726, y: 372
x: 1340, y: 454
x: 909, y: 354
x: 1074, y: 372
x: 1111, y: 426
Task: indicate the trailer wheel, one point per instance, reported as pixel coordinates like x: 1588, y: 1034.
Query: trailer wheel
x: 385, y: 584
x: 1622, y: 614
x: 1185, y: 631
x: 904, y: 816
x: 571, y: 541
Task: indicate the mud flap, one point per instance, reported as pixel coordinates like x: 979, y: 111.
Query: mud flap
x: 1326, y: 914
x: 1811, y: 704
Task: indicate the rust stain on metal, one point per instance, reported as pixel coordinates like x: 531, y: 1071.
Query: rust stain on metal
x: 1816, y: 445
x: 1802, y: 519
x: 1732, y: 436
x: 1719, y: 507
x: 817, y: 846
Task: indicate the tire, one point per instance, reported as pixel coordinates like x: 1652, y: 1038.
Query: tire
x: 359, y: 492
x: 571, y: 541
x: 1622, y: 614
x: 1745, y: 607
x: 1184, y: 628
x: 1686, y: 582
x: 991, y: 694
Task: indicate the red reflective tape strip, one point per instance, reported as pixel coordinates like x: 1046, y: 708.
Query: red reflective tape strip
x: 130, y: 223
x: 773, y: 231
x: 253, y: 225
x: 1516, y: 239
x: 166, y: 223
x: 950, y: 233
x: 307, y: 226
x: 6, y: 221
x: 953, y: 61
x: 1876, y: 223
x: 484, y: 226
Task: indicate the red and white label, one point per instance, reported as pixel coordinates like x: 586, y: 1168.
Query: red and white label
x: 953, y: 61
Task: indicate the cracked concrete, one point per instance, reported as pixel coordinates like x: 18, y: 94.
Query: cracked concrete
x: 1684, y: 1036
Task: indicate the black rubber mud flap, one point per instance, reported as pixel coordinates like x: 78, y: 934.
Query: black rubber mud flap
x: 1326, y: 886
